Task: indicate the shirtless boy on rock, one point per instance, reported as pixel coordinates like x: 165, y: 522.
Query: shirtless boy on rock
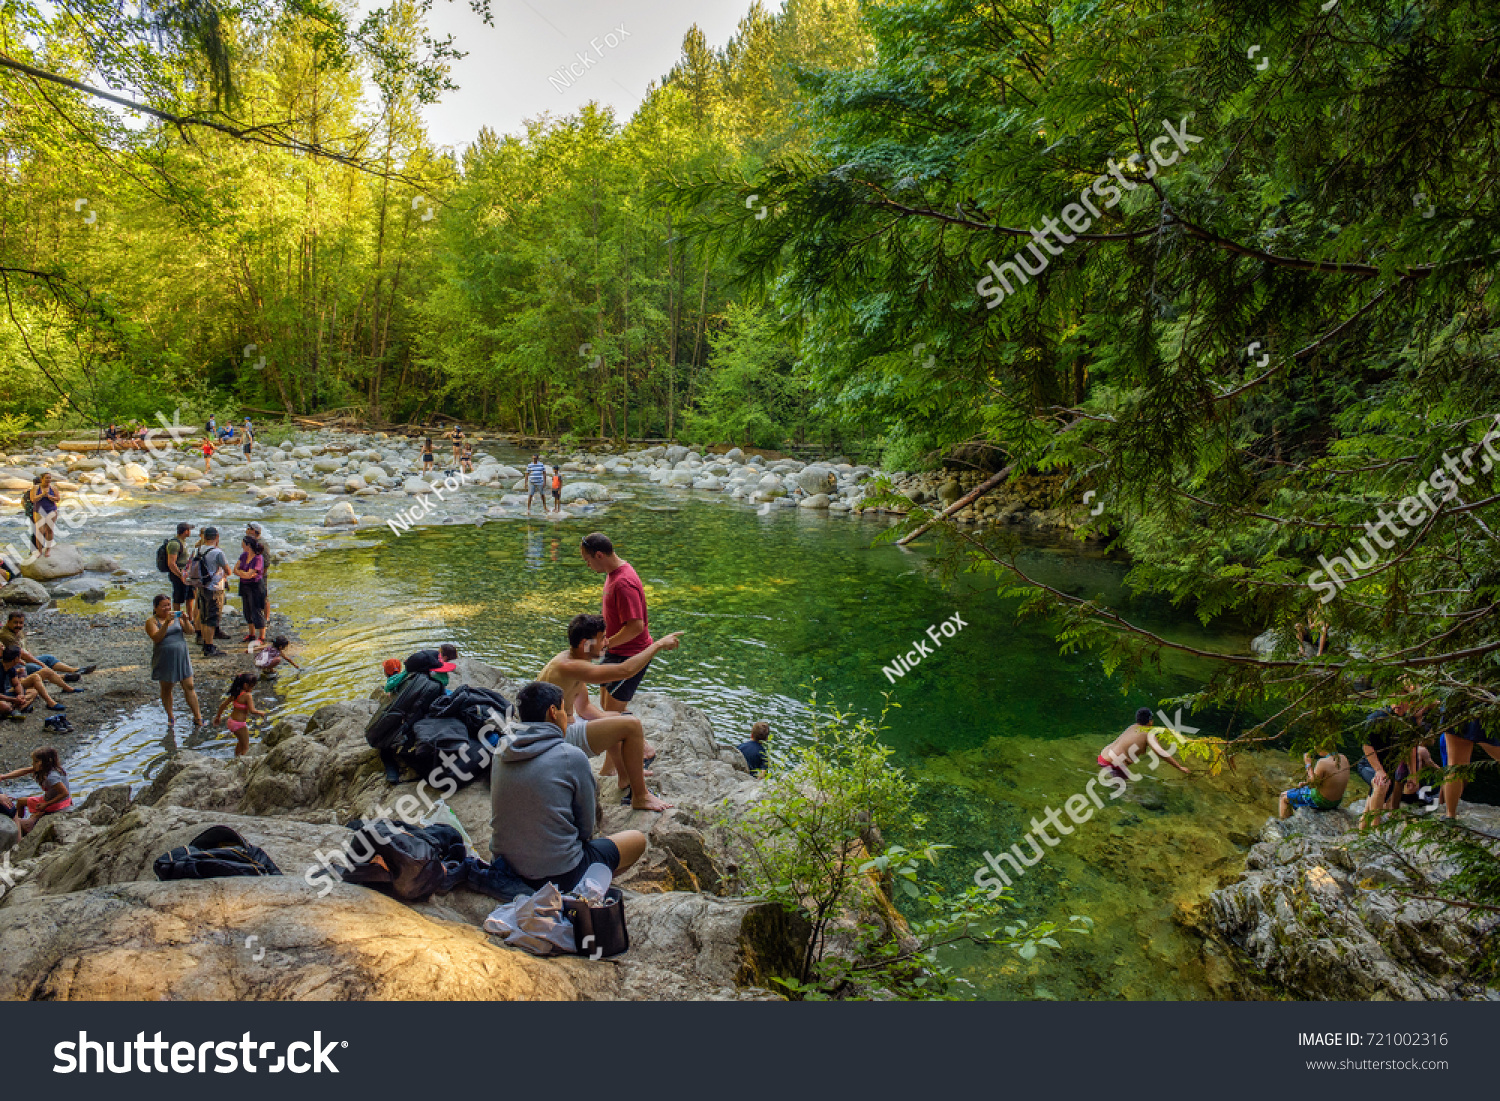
x: 592, y: 730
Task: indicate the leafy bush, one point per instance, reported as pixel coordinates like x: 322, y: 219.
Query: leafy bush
x: 813, y: 844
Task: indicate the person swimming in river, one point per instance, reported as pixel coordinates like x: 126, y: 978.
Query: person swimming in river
x: 1327, y: 779
x: 1125, y: 749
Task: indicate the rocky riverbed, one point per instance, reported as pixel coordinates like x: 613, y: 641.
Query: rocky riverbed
x: 1325, y: 913
x: 87, y: 919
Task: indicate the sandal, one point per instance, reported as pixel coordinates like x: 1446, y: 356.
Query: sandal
x: 56, y: 707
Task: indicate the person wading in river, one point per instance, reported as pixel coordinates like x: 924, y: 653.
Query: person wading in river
x: 1125, y: 749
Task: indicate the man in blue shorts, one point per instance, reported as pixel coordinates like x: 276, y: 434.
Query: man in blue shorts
x: 1327, y: 779
x: 1461, y: 743
x: 536, y: 482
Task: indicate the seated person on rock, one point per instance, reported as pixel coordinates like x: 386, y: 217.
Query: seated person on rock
x: 754, y: 751
x: 51, y: 777
x: 543, y: 805
x: 46, y: 666
x: 20, y: 683
x: 1327, y: 778
x: 1389, y: 754
x: 1125, y: 749
x: 592, y: 730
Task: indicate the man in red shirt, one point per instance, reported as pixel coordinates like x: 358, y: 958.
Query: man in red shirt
x: 626, y: 632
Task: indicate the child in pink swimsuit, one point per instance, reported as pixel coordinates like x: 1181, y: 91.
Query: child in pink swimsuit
x: 242, y: 706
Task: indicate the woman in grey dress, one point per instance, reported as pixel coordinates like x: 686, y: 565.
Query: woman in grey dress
x: 170, y: 663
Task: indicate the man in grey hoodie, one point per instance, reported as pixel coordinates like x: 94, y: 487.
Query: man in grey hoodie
x: 542, y: 791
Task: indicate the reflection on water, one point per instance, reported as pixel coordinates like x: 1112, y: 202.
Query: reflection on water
x: 995, y: 723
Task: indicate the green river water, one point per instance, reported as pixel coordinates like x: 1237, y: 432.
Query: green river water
x: 995, y: 725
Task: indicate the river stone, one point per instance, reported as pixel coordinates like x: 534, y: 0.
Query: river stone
x: 354, y: 483
x: 290, y: 493
x: 676, y: 453
x: 64, y: 561
x: 372, y: 473
x: 734, y: 455
x: 584, y: 491
x: 950, y: 491
x: 23, y: 590
x: 415, y: 486
x: 102, y: 563
x: 303, y: 452
x: 679, y: 478
x: 814, y: 479
x: 342, y: 512
x: 10, y: 834
x: 134, y: 474
x: 187, y: 487
x: 817, y: 500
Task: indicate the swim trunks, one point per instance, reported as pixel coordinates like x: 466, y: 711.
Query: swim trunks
x: 578, y: 734
x: 1473, y: 732
x: 1308, y: 797
x: 1116, y: 769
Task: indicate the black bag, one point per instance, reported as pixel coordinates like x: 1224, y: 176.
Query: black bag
x: 408, y: 705
x: 598, y: 931
x: 476, y: 708
x: 162, y: 556
x: 419, y: 860
x: 432, y: 740
x: 216, y: 853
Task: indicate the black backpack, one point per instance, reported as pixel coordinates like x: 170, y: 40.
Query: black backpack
x: 215, y: 853
x: 162, y: 556
x: 419, y: 861
x: 437, y: 747
x: 387, y: 728
x: 475, y: 707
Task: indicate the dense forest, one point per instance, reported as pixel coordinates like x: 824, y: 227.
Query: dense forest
x: 1228, y: 266
x: 280, y: 233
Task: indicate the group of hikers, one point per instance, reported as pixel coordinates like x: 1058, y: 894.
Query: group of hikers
x: 200, y: 574
x: 1396, y: 753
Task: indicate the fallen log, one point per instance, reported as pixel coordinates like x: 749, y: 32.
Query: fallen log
x: 974, y: 494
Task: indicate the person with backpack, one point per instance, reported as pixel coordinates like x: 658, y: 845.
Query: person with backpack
x: 172, y: 558
x: 249, y: 439
x: 170, y: 663
x: 207, y: 572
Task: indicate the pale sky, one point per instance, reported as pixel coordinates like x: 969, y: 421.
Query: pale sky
x: 504, y: 80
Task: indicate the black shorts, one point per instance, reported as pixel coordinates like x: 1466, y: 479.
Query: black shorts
x: 181, y: 591
x: 624, y: 690
x: 211, y: 603
x: 601, y: 850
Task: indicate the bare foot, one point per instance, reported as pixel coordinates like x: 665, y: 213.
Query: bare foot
x: 650, y: 802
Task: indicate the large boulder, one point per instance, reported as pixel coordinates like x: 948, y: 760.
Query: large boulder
x: 584, y: 491
x: 1327, y: 916
x: 63, y: 561
x: 814, y: 479
x: 23, y: 590
x: 342, y: 512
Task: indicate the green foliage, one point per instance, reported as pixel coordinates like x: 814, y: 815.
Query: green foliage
x: 812, y: 843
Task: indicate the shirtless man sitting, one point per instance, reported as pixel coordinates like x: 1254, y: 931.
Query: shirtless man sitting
x: 592, y: 730
x: 1327, y: 779
x: 1127, y: 747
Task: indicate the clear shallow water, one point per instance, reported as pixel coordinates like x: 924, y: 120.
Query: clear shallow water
x: 996, y: 724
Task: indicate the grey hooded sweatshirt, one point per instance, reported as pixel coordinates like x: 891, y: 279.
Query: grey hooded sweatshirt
x: 542, y: 808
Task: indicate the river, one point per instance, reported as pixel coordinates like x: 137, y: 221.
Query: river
x: 996, y: 724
